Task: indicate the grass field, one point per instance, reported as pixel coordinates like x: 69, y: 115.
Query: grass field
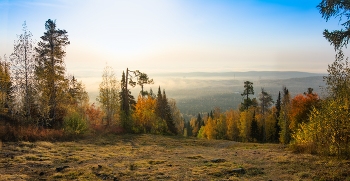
x: 156, y: 157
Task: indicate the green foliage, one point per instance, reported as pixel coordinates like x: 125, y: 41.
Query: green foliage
x: 248, y: 89
x: 254, y: 130
x: 50, y: 70
x: 284, y: 118
x: 108, y: 94
x: 336, y: 8
x: 75, y: 124
x: 328, y: 131
x: 200, y: 132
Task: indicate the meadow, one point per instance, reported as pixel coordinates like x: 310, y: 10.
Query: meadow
x: 158, y: 157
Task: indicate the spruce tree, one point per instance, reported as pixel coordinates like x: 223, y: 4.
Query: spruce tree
x: 278, y: 110
x: 254, y: 130
x: 160, y: 107
x: 168, y: 116
x: 127, y: 103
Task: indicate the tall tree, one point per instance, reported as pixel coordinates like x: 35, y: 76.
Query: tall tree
x: 108, y: 96
x: 265, y: 103
x: 254, y: 129
x: 23, y: 63
x: 277, y: 115
x: 127, y: 102
x: 284, y: 119
x: 50, y: 67
x: 336, y: 8
x: 160, y: 108
x: 248, y: 89
x: 168, y: 116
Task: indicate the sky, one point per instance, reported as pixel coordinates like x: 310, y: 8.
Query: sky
x: 156, y: 36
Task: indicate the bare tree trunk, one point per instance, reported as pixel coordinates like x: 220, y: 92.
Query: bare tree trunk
x: 126, y: 92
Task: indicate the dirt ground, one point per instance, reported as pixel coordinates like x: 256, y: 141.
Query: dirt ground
x: 156, y: 157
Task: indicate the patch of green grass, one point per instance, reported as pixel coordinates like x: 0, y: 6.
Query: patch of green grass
x: 194, y: 157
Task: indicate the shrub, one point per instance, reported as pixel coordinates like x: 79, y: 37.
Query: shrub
x: 327, y: 132
x: 75, y: 124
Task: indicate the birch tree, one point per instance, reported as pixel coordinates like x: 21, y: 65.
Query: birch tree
x: 109, y: 94
x: 23, y: 63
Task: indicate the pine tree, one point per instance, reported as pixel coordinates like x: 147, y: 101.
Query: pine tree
x: 248, y: 89
x: 143, y: 79
x: 50, y: 67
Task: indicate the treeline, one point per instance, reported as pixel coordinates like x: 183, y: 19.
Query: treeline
x: 307, y: 122
x: 39, y: 100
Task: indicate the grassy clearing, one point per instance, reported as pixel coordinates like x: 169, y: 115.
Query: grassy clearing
x: 155, y: 157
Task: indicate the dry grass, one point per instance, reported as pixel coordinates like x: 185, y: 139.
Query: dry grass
x: 154, y: 157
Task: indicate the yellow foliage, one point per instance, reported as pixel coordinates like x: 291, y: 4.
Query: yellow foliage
x: 270, y: 122
x: 244, y: 125
x: 328, y: 129
x: 210, y: 129
x: 144, y: 114
x: 232, y: 123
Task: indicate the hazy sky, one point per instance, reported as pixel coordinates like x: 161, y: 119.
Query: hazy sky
x: 178, y: 36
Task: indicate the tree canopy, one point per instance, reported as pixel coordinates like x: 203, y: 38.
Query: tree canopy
x: 340, y: 9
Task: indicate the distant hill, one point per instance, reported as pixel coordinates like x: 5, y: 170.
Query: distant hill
x: 251, y: 74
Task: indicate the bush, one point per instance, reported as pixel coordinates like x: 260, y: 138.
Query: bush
x: 75, y: 124
x: 327, y: 132
x: 29, y: 133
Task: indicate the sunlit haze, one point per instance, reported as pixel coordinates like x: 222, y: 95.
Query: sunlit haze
x: 178, y: 36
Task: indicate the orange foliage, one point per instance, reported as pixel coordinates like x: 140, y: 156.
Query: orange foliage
x: 94, y: 115
x: 301, y: 107
x: 144, y: 113
x: 210, y: 129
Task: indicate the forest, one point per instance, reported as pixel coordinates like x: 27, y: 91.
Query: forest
x: 40, y: 101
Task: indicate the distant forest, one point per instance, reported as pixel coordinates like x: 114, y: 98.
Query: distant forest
x: 226, y: 94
